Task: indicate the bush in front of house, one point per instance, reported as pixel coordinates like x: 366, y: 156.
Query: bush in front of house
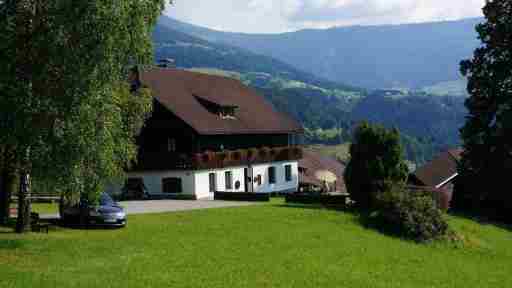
x: 412, y: 215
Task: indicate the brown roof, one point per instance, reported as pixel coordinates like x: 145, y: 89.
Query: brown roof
x: 313, y: 162
x: 179, y: 90
x: 440, y: 169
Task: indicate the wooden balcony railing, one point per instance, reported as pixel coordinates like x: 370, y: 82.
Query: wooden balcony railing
x: 215, y: 160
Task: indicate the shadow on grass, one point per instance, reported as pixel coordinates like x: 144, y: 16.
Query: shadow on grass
x: 54, y: 225
x: 11, y: 244
x: 483, y: 219
x: 78, y: 227
x: 8, y: 228
x: 363, y: 218
x: 315, y: 207
x: 371, y: 222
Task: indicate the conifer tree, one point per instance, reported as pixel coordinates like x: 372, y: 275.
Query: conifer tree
x: 486, y: 164
x: 376, y: 163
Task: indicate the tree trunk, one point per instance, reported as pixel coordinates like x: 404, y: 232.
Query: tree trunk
x: 23, y: 221
x: 4, y: 202
x: 7, y: 180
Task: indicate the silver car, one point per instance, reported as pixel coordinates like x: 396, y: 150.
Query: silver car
x: 106, y: 213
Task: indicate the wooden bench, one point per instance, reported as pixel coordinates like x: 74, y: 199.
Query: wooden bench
x: 36, y: 224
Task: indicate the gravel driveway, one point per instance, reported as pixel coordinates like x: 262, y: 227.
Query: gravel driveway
x: 159, y: 206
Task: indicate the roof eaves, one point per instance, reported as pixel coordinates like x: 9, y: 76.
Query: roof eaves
x: 246, y: 132
x: 447, y: 181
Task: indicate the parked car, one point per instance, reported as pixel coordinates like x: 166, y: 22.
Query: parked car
x: 106, y: 213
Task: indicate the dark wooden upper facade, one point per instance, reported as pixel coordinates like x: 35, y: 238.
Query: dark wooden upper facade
x: 203, y: 137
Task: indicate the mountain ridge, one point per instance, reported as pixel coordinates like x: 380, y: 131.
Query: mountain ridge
x: 185, y: 25
x: 412, y: 56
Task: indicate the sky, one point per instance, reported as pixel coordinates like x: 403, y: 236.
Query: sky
x: 271, y: 16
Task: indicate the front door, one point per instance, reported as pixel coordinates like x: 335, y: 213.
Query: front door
x: 212, y: 183
x: 248, y: 180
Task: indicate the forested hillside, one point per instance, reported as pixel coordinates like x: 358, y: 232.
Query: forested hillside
x: 431, y: 120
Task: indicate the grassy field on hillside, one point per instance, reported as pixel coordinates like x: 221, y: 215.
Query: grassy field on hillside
x: 271, y: 245
x: 336, y: 151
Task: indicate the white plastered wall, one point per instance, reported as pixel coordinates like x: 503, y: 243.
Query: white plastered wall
x: 281, y: 184
x: 153, y: 181
x: 202, y: 181
x: 197, y: 182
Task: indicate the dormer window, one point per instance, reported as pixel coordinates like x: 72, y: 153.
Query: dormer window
x: 226, y: 112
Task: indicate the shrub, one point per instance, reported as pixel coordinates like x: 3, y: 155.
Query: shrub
x: 377, y: 159
x: 414, y: 216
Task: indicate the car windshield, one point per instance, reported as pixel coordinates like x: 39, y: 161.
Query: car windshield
x: 106, y: 200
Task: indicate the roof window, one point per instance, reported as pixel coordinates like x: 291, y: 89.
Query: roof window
x: 227, y: 112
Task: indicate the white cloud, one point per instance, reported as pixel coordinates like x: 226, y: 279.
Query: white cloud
x: 272, y: 16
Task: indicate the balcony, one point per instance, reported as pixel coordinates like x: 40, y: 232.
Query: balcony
x: 216, y: 160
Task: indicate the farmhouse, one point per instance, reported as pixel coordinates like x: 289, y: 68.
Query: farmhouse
x: 212, y: 134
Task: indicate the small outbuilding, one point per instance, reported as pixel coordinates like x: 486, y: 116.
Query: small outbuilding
x: 439, y: 174
x: 321, y: 173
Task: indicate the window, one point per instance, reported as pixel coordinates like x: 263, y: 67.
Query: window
x: 288, y: 173
x: 172, y: 185
x: 271, y: 175
x: 213, y: 182
x: 228, y: 112
x: 257, y: 180
x: 171, y: 145
x: 229, y: 180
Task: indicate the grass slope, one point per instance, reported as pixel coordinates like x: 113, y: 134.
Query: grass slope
x: 261, y: 246
x: 341, y: 151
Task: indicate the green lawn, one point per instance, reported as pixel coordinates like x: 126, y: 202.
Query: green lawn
x: 43, y: 208
x: 260, y: 246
